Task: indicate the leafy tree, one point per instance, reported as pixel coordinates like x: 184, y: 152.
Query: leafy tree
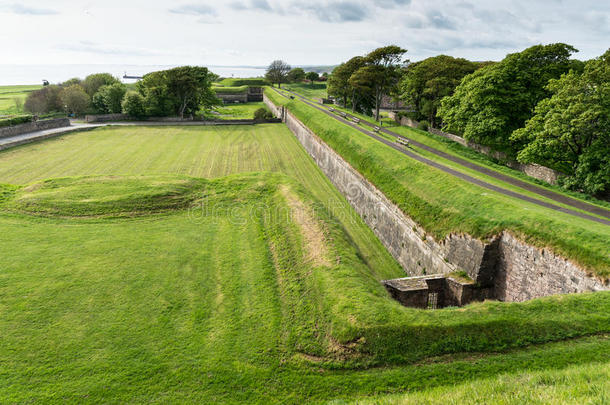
x: 277, y: 72
x: 92, y: 83
x: 98, y: 102
x: 312, y: 77
x: 570, y: 130
x: 108, y: 98
x: 338, y: 82
x: 296, y: 75
x: 497, y: 99
x: 44, y: 100
x: 133, y: 105
x: 182, y: 90
x: 262, y: 114
x: 70, y: 82
x: 384, y: 72
x: 425, y: 83
x: 75, y: 99
x: 360, y: 82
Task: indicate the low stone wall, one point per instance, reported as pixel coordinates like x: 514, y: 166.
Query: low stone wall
x: 106, y: 117
x: 505, y: 263
x: 33, y: 127
x: 531, y: 169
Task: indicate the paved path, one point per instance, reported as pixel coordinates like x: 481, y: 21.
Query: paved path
x: 16, y: 140
x: 527, y: 186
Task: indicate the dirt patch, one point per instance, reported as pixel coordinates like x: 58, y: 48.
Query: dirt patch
x: 315, y: 241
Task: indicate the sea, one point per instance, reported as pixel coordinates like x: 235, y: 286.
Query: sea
x: 35, y: 74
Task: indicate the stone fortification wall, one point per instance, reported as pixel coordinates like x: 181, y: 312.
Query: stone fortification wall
x: 516, y: 270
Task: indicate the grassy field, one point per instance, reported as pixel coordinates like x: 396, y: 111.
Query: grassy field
x: 237, y: 111
x: 237, y: 81
x: 8, y: 94
x: 230, y: 89
x: 443, y: 204
x: 318, y: 90
x: 218, y: 264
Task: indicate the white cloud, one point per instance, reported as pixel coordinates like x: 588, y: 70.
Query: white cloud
x: 254, y: 32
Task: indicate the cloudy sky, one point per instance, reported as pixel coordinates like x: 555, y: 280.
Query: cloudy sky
x: 254, y: 32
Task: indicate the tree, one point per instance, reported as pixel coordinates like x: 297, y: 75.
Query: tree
x: 74, y: 99
x: 570, y: 130
x: 182, y: 90
x: 312, y: 77
x: 262, y: 114
x: 296, y: 75
x: 385, y: 72
x: 108, y: 98
x: 338, y: 82
x: 70, y: 82
x: 497, y: 99
x: 44, y: 100
x: 92, y: 83
x: 277, y: 72
x: 425, y: 83
x: 133, y: 105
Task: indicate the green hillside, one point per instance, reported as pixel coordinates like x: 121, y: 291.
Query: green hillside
x: 218, y: 264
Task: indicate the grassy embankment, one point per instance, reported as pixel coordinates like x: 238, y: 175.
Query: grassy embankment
x: 8, y: 94
x: 318, y: 90
x: 443, y: 204
x: 455, y: 149
x: 141, y: 283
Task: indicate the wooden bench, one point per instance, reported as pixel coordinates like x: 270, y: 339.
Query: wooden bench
x: 376, y: 128
x: 356, y: 120
x: 342, y: 114
x: 402, y: 141
x: 331, y: 109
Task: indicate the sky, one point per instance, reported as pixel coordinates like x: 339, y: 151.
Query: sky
x: 314, y: 32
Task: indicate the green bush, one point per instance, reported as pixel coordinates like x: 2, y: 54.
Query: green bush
x: 423, y: 125
x: 133, y: 104
x: 7, y: 122
x: 262, y: 114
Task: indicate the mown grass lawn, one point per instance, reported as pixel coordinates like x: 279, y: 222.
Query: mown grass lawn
x: 8, y: 94
x: 317, y: 90
x: 238, y: 111
x: 162, y: 264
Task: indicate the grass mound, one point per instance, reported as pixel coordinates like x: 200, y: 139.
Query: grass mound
x: 107, y: 195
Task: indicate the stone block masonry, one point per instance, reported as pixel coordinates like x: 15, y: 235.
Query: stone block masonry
x: 33, y: 126
x: 516, y: 270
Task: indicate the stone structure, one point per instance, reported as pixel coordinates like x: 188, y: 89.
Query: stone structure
x: 252, y: 94
x: 33, y: 126
x: 516, y: 270
x: 531, y: 169
x: 435, y: 291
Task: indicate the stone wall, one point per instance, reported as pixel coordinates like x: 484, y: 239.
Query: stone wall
x: 106, y: 117
x: 33, y: 127
x: 524, y: 272
x: 516, y: 270
x: 531, y: 169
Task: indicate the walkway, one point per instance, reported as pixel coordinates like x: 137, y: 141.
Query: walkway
x: 559, y: 198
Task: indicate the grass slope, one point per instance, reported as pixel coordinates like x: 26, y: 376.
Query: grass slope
x: 254, y: 287
x: 443, y: 204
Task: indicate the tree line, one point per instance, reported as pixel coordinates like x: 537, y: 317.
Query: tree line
x: 280, y: 72
x: 180, y: 91
x: 538, y: 106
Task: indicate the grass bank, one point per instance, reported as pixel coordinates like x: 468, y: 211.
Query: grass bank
x: 443, y: 204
